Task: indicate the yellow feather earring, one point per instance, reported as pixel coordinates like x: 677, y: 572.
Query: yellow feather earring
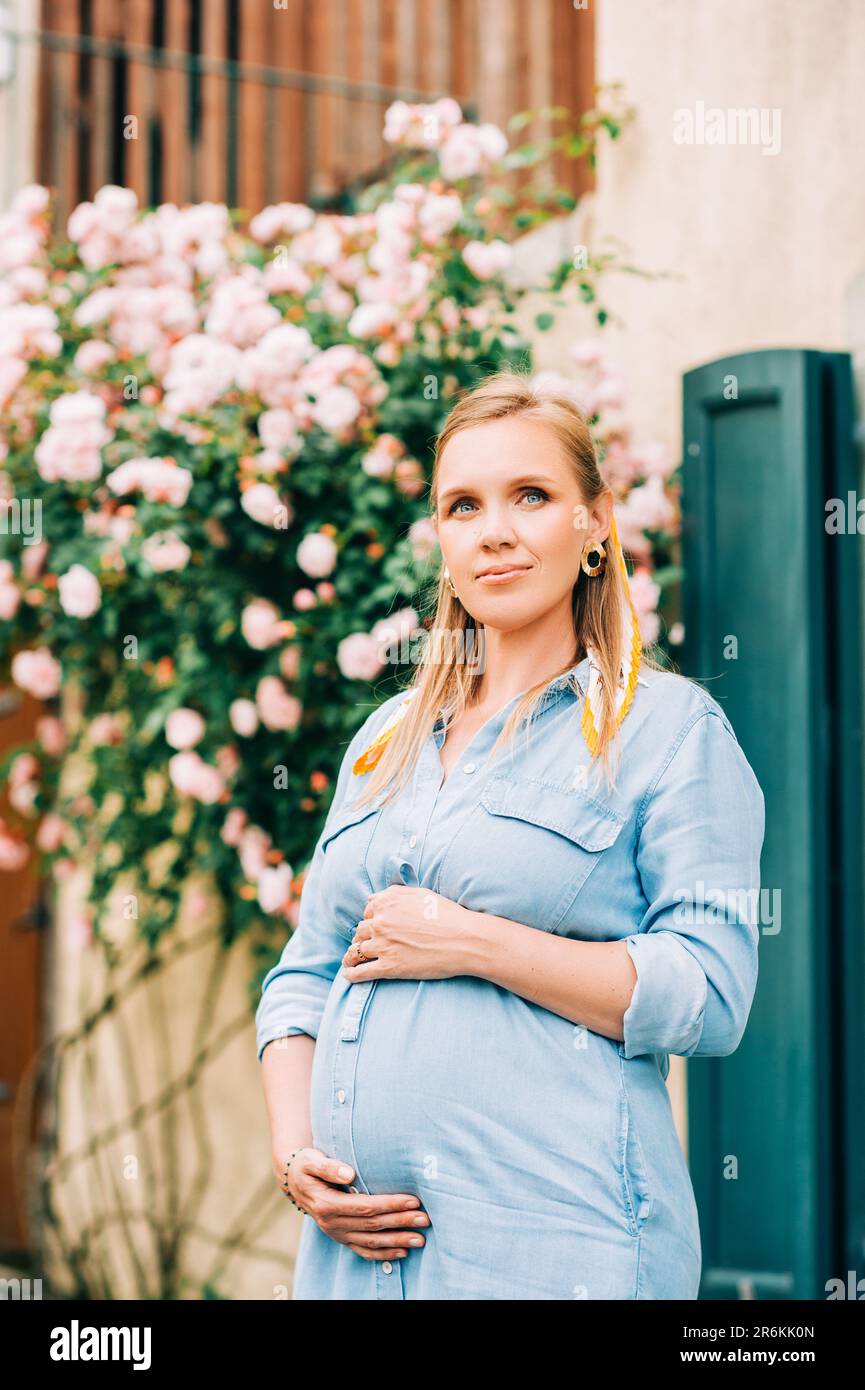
x: 370, y: 756
x: 631, y: 653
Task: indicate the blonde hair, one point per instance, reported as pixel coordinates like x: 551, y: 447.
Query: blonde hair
x: 450, y: 681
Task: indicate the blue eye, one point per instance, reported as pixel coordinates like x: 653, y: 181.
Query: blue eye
x: 527, y: 491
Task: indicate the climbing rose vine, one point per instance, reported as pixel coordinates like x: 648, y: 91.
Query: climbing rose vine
x: 214, y: 458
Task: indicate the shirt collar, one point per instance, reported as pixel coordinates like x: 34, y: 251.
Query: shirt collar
x: 576, y: 675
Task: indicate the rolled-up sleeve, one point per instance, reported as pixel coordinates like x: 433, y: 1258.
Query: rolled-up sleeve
x: 698, y: 857
x: 294, y: 991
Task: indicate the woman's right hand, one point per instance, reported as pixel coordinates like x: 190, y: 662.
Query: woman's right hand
x: 374, y: 1226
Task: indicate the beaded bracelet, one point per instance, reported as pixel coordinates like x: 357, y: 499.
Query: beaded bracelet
x: 284, y: 1183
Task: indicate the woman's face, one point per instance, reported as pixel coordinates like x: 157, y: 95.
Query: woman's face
x: 509, y: 498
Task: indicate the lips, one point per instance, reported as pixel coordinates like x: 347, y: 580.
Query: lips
x: 492, y: 578
x: 500, y: 569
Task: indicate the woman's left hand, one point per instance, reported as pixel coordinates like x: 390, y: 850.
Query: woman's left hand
x: 410, y: 934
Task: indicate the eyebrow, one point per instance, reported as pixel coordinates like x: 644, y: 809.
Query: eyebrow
x: 515, y: 482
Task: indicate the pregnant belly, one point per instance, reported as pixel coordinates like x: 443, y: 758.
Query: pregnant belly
x: 463, y: 1088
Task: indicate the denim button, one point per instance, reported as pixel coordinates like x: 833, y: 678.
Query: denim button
x: 340, y: 1095
x: 412, y: 842
x: 387, y: 1267
x: 407, y: 874
x: 469, y: 767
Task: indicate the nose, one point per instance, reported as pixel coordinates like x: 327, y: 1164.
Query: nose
x: 495, y: 530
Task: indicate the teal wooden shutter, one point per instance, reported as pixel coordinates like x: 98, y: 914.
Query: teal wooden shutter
x: 768, y: 441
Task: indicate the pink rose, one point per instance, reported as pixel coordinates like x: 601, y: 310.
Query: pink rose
x: 227, y: 760
x: 652, y: 461
x: 317, y: 555
x: 243, y: 717
x: 105, y: 731
x: 263, y: 504
x: 423, y: 538
x: 336, y: 409
x: 289, y: 662
x: 644, y: 591
x: 32, y: 559
x: 23, y: 797
x: 37, y: 672
x: 184, y: 728
x: 158, y: 479
x: 439, y: 215
x: 80, y: 594
x: 22, y: 769
x: 51, y: 833
x: 165, y: 551
x: 193, y: 777
x: 12, y: 373
x: 358, y: 657
x: 252, y: 851
x: 649, y: 508
x: 277, y: 429
x: 51, y: 735
x: 650, y: 626
x: 260, y: 624
x: 69, y: 450
x: 233, y: 827
x: 93, y: 355
x: 278, y: 709
x: 372, y: 320
x: 274, y: 887
x: 486, y: 259
x: 30, y: 200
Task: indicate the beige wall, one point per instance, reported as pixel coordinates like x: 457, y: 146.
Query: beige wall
x: 763, y: 246
x: 760, y: 250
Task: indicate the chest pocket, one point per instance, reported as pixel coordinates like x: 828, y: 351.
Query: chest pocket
x: 526, y: 850
x: 345, y: 882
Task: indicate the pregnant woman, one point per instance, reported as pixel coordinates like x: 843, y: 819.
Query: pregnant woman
x: 536, y: 880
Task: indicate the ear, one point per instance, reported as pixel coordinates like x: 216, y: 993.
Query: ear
x: 601, y: 515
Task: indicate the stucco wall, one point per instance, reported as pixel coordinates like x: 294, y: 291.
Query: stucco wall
x: 762, y: 246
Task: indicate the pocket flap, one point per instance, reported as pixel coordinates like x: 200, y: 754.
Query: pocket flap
x: 346, y: 816
x: 581, y: 818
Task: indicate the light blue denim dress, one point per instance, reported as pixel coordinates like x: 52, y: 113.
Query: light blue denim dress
x: 545, y: 1154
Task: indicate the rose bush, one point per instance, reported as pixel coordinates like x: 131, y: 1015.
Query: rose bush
x: 215, y: 452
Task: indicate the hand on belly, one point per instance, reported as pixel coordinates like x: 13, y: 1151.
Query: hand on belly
x: 376, y: 1227
x: 410, y: 934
